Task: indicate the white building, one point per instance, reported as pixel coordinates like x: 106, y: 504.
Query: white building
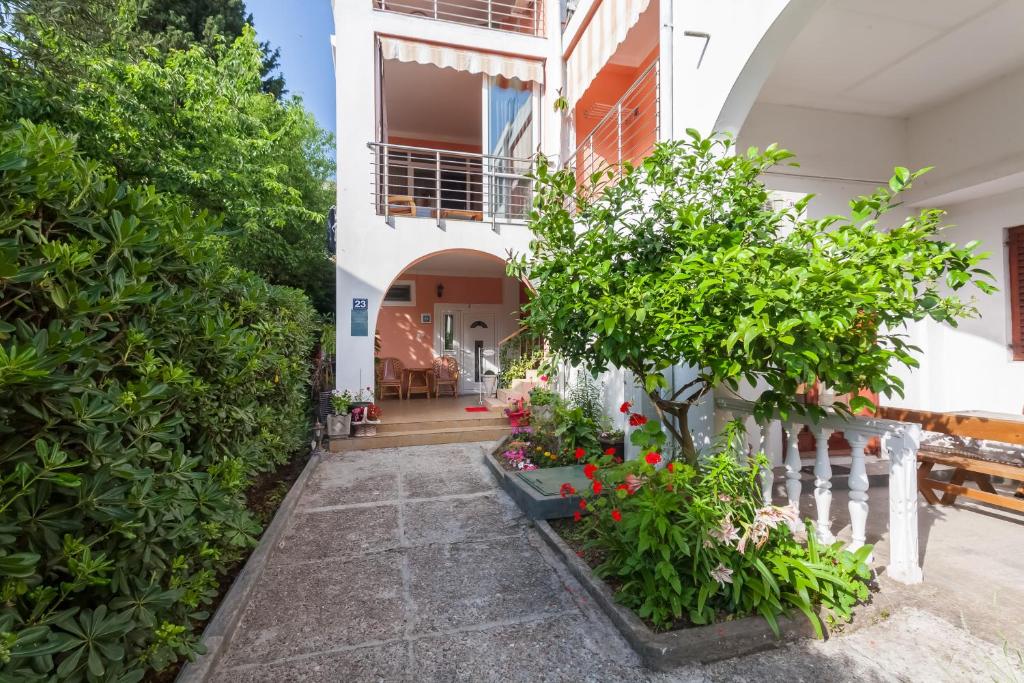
x: 441, y: 102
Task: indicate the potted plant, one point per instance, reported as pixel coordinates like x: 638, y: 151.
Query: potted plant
x: 613, y: 442
x: 518, y: 415
x: 490, y: 383
x: 542, y: 402
x: 339, y: 423
x: 369, y: 418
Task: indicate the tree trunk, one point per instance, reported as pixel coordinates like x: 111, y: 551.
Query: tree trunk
x: 680, y: 432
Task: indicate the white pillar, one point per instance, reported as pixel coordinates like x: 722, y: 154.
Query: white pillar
x: 904, y: 565
x: 823, y: 484
x: 767, y: 473
x: 858, y: 482
x: 793, y: 485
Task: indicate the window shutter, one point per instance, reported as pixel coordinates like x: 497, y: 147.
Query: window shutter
x: 1015, y: 248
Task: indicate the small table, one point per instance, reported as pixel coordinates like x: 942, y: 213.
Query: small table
x: 413, y: 386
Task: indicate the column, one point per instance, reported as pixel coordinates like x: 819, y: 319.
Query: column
x: 822, y: 484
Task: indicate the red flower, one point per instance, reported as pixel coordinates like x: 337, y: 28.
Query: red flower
x: 653, y: 458
x: 543, y: 378
x: 575, y: 516
x: 637, y: 420
x: 622, y: 487
x: 567, y: 490
x: 610, y: 451
x: 597, y: 487
x: 616, y: 515
x: 583, y: 504
x: 671, y: 467
x: 580, y: 453
x: 589, y: 469
x: 624, y: 408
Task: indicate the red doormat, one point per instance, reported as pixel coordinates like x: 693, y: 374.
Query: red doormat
x: 477, y: 409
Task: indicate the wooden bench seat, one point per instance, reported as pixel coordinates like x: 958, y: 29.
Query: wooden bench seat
x: 967, y: 469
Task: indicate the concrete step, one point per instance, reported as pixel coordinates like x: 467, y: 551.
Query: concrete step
x: 420, y: 437
x: 494, y: 419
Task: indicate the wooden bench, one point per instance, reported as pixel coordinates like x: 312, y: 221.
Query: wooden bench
x: 966, y: 467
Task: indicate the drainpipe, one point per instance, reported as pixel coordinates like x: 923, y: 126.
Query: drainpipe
x: 666, y: 50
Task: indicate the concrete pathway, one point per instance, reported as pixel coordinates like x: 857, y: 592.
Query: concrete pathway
x: 409, y: 565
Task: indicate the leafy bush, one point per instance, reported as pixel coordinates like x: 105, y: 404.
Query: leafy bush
x: 696, y: 544
x: 143, y: 380
x: 514, y: 366
x: 585, y: 394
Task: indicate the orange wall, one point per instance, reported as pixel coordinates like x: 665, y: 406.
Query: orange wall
x: 608, y: 87
x: 401, y: 333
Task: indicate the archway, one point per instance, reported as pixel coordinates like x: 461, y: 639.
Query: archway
x: 455, y: 303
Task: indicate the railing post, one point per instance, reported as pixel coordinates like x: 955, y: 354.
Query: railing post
x: 618, y: 135
x: 435, y: 9
x: 901, y: 446
x: 387, y: 180
x: 490, y: 13
x: 437, y: 188
x: 794, y: 486
x: 767, y: 472
x: 858, y: 483
x: 822, y: 484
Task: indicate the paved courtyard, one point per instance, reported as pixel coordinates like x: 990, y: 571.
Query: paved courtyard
x: 409, y: 564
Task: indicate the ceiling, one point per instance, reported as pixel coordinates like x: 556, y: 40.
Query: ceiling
x: 427, y: 102
x: 897, y: 57
x: 459, y: 264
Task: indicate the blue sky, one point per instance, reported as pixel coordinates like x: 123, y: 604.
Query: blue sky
x: 304, y: 36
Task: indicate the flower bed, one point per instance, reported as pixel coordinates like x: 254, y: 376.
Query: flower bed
x: 685, y: 548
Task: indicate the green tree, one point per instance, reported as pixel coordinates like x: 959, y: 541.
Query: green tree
x: 194, y: 124
x: 179, y: 24
x: 682, y: 259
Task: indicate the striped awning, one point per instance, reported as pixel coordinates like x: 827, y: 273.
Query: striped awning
x: 602, y: 37
x: 461, y: 59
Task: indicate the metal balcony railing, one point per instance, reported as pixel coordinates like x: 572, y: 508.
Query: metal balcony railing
x: 444, y: 184
x: 626, y: 133
x: 518, y: 16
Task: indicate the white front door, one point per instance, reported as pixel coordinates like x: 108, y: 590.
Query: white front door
x: 477, y: 349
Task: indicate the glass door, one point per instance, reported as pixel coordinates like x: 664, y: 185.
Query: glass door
x: 510, y: 115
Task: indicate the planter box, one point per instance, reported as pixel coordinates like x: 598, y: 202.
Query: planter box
x: 534, y: 503
x: 544, y: 413
x: 665, y: 651
x: 366, y: 428
x: 339, y: 426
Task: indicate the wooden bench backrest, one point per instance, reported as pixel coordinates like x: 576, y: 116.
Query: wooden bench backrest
x: 1007, y: 431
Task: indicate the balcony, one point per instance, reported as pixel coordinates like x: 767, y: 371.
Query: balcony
x: 625, y: 133
x: 516, y: 16
x: 420, y: 182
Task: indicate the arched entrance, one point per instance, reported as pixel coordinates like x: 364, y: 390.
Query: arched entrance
x: 457, y: 304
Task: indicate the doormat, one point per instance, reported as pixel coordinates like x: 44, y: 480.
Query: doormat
x: 477, y: 409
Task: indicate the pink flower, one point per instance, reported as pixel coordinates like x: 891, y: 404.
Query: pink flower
x: 671, y: 467
x: 633, y: 483
x: 726, y: 533
x: 576, y: 516
x: 722, y: 574
x: 543, y: 378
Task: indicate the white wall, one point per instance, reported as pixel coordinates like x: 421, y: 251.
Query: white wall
x: 970, y: 367
x: 857, y: 147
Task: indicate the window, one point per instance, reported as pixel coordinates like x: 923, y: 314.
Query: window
x: 1015, y: 249
x: 401, y: 293
x: 449, y: 332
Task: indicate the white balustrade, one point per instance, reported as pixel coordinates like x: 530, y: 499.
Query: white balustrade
x: 899, y: 441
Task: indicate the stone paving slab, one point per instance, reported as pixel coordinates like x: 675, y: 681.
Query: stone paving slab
x: 410, y: 565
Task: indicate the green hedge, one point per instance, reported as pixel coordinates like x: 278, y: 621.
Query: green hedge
x: 143, y: 381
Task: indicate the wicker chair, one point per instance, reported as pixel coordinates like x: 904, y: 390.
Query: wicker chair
x: 446, y: 373
x: 389, y: 375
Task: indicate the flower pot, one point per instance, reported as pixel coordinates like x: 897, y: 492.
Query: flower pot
x: 543, y: 413
x: 338, y: 426
x: 519, y: 418
x: 366, y: 428
x: 618, y: 444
